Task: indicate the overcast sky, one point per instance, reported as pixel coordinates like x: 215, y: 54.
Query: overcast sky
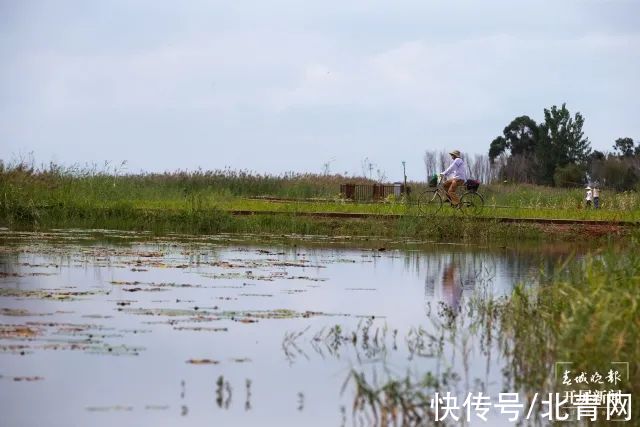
x: 276, y: 85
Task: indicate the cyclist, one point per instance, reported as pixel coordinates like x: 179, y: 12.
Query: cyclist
x: 455, y: 175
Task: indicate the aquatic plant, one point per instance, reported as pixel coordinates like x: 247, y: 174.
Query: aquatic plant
x: 586, y: 313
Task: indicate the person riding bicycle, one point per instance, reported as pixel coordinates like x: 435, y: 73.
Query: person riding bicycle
x: 455, y: 175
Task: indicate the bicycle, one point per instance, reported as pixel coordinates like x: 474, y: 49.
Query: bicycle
x: 430, y: 202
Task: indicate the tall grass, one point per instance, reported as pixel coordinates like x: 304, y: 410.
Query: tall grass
x: 586, y: 313
x: 58, y: 183
x: 104, y: 196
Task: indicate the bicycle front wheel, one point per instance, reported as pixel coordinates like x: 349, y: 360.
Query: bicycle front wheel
x: 429, y: 203
x: 471, y: 203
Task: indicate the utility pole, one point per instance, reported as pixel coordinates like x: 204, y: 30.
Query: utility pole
x: 404, y: 172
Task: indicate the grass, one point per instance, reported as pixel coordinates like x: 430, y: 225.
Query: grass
x: 211, y: 221
x: 587, y: 312
x: 197, y: 202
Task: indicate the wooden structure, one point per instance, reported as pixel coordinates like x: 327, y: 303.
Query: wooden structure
x: 372, y: 192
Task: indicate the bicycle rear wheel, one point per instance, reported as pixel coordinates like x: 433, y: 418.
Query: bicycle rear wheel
x: 429, y: 203
x: 471, y: 203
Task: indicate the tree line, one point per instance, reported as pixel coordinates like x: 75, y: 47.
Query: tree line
x: 556, y: 152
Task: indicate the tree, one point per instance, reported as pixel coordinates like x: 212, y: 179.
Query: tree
x: 520, y: 138
x: 532, y: 152
x: 616, y: 172
x: 521, y: 135
x: 569, y: 175
x: 430, y: 163
x: 596, y: 155
x: 624, y: 147
x: 497, y: 147
x: 561, y: 142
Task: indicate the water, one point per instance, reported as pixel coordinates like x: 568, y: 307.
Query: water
x: 108, y: 329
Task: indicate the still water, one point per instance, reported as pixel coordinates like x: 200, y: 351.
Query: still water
x: 104, y: 328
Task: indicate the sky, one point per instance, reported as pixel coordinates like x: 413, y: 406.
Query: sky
x: 282, y: 85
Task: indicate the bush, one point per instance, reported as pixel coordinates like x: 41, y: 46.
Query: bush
x: 569, y: 175
x: 618, y: 173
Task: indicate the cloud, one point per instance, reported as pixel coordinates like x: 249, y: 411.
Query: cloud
x: 330, y: 78
x: 456, y: 80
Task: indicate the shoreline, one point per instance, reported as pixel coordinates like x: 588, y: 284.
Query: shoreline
x: 439, y: 228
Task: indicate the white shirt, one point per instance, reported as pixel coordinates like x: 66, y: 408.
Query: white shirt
x: 589, y: 194
x: 596, y: 192
x: 456, y: 170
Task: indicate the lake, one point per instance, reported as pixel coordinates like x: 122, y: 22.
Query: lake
x: 110, y: 328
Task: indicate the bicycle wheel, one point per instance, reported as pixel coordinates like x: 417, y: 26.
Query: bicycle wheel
x: 429, y: 203
x: 471, y: 203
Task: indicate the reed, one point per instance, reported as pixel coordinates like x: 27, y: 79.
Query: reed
x: 56, y: 196
x: 586, y: 312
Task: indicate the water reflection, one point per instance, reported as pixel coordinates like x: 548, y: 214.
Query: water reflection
x: 451, y: 286
x: 223, y: 393
x: 295, y: 319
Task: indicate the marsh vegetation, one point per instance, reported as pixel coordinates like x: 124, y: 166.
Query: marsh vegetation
x: 204, y: 202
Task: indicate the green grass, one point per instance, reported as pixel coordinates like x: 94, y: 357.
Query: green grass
x: 211, y: 221
x: 587, y: 313
x: 197, y: 202
x: 494, y: 207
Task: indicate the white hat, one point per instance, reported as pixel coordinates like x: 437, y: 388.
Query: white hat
x: 588, y: 188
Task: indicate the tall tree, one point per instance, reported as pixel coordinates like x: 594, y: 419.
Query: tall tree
x: 561, y: 142
x: 497, y: 147
x: 521, y: 135
x: 520, y: 138
x: 624, y: 147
